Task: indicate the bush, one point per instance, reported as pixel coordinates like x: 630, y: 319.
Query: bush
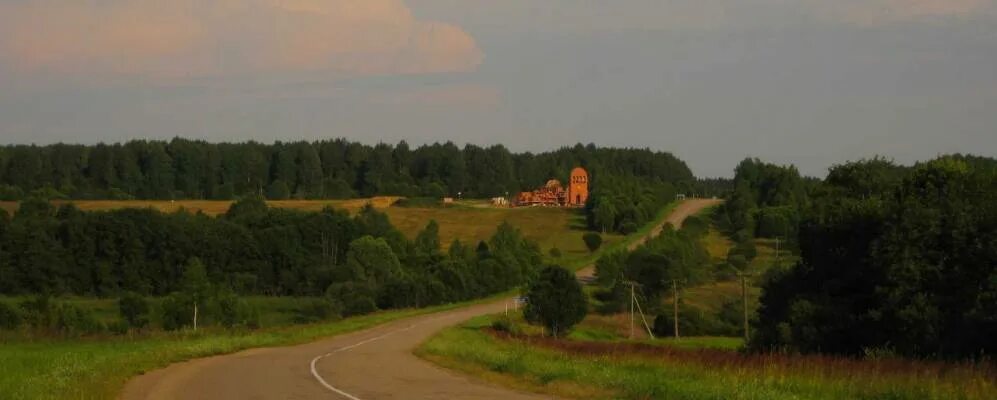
x: 233, y: 311
x: 592, y: 241
x: 505, y: 324
x: 354, y: 298
x: 10, y: 317
x: 419, y: 202
x: 696, y: 226
x: 72, y: 320
x: 118, y: 327
x: 134, y: 310
x: 555, y: 252
x: 38, y: 312
x: 628, y: 227
x: 176, y: 311
x: 692, y: 322
x: 315, y: 310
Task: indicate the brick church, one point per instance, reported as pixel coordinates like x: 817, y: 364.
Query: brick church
x: 554, y: 194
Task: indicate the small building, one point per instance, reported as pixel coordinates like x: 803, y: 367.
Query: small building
x: 500, y: 202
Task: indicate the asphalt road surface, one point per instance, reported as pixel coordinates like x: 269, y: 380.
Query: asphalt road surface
x: 376, y: 363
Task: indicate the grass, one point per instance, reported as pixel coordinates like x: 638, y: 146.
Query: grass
x: 97, y: 368
x: 692, y: 370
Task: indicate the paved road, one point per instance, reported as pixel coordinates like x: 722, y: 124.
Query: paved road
x: 376, y: 363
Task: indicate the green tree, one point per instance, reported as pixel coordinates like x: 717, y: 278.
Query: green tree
x: 278, y: 190
x: 592, y: 241
x: 605, y: 216
x: 555, y: 300
x: 196, y: 286
x: 428, y: 240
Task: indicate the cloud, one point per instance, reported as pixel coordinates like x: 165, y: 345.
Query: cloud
x: 223, y: 37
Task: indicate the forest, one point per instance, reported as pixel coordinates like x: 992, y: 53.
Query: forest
x: 894, y: 259
x: 189, y: 169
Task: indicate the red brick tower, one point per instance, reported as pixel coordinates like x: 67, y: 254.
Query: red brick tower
x: 578, y: 187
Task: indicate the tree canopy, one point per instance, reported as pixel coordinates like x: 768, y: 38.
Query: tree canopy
x: 192, y: 169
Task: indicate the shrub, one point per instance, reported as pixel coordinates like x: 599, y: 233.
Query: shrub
x: 696, y: 226
x: 38, y: 312
x: 419, y: 202
x: 72, y: 320
x: 10, y: 317
x: 176, y: 311
x: 628, y: 227
x: 314, y: 310
x: 592, y: 241
x: 555, y: 252
x: 134, y: 310
x: 692, y: 322
x: 355, y: 298
x: 505, y: 324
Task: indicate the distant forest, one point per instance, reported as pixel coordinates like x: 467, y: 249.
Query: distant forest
x: 188, y: 169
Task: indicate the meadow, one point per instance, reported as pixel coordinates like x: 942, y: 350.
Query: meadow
x: 700, y: 368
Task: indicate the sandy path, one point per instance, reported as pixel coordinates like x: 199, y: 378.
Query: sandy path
x: 376, y: 363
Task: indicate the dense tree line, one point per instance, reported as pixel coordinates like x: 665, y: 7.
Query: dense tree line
x: 765, y: 200
x: 625, y: 203
x: 361, y: 261
x: 894, y: 259
x: 188, y: 169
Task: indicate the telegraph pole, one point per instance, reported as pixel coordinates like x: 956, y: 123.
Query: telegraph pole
x: 632, y: 301
x: 777, y: 252
x: 744, y: 298
x: 675, y: 301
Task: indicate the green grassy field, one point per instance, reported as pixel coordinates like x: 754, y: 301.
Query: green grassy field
x: 692, y: 369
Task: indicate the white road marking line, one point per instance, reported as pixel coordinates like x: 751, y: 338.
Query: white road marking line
x: 355, y: 345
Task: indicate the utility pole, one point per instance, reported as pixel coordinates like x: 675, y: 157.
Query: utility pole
x: 744, y: 298
x: 744, y: 301
x: 632, y: 300
x: 777, y: 252
x: 675, y: 301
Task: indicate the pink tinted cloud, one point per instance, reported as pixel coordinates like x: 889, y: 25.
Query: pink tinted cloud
x: 216, y: 37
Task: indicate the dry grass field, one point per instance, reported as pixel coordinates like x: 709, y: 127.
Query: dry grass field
x: 470, y: 221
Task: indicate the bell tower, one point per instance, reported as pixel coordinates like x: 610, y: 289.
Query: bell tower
x: 578, y: 187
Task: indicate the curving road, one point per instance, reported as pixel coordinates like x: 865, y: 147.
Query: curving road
x: 376, y: 363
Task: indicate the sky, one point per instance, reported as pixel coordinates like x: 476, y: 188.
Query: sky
x: 806, y: 82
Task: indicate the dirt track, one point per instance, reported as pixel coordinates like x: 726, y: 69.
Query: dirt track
x: 376, y: 363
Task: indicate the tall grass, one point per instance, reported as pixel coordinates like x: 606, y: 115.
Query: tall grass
x: 635, y: 371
